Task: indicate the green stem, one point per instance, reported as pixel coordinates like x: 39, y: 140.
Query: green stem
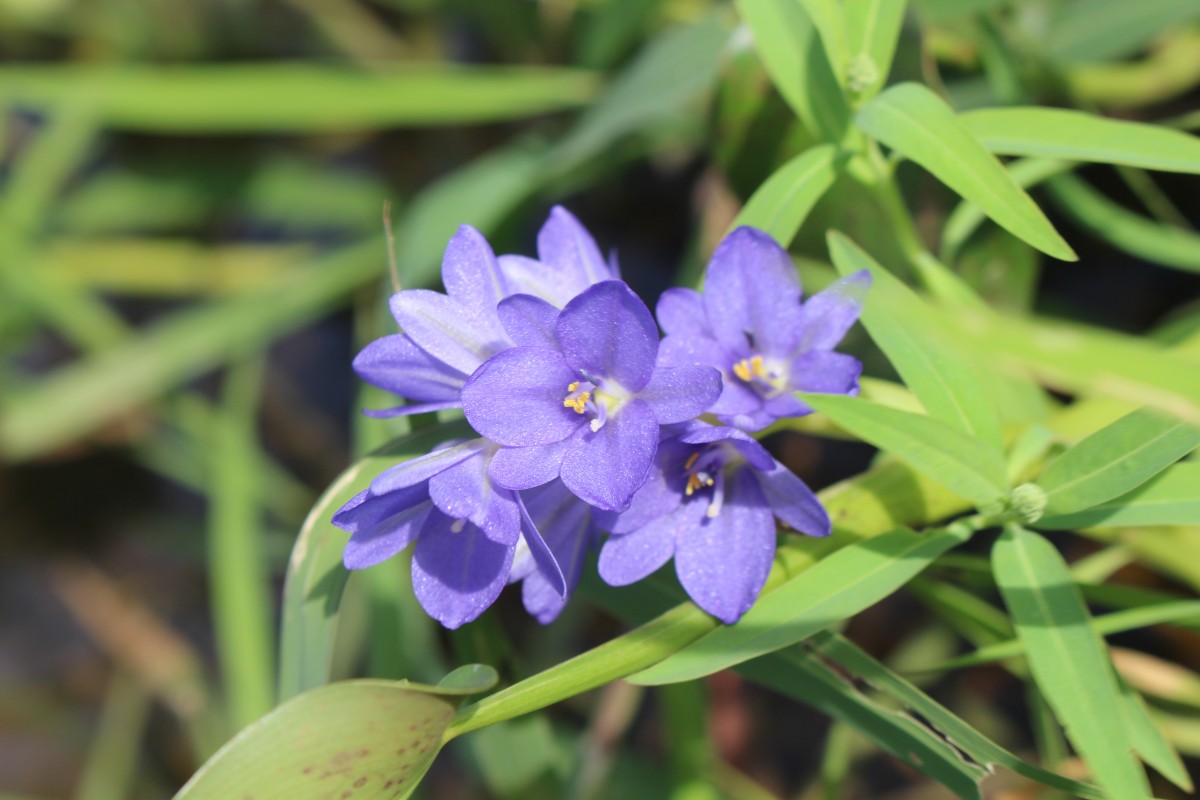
x: 634, y: 651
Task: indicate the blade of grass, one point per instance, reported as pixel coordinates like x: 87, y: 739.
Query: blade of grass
x: 239, y: 581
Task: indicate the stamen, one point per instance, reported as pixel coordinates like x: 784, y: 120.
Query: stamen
x: 572, y: 386
x: 691, y: 462
x: 718, y: 497
x: 458, y: 525
x: 742, y: 370
x: 756, y: 367
x: 577, y: 402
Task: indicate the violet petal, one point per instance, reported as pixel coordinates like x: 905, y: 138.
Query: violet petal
x: 752, y: 287
x: 516, y: 398
x: 723, y: 562
x: 830, y: 313
x: 680, y: 393
x: 527, y: 467
x: 395, y: 363
x: 457, y: 575
x: 607, y: 332
x: 529, y: 321
x: 605, y: 467
x: 793, y: 502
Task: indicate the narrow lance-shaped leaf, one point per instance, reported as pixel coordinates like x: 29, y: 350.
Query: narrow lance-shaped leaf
x: 781, y: 204
x: 363, y: 739
x: 1115, y: 459
x: 943, y: 452
x: 242, y: 98
x: 794, y: 57
x: 943, y: 379
x: 916, y: 123
x: 974, y: 743
x: 1122, y: 228
x: 1067, y: 657
x: 1170, y: 498
x: 1077, y: 136
x: 1148, y: 741
x: 839, y: 586
x: 872, y: 31
x: 799, y: 674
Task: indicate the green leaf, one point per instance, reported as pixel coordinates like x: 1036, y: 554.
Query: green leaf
x: 1122, y: 228
x: 315, y: 578
x: 967, y: 217
x: 943, y: 452
x: 1148, y: 741
x: 673, y: 71
x: 836, y: 588
x: 1076, y: 136
x: 467, y: 680
x: 798, y: 674
x: 1101, y: 30
x: 1068, y: 659
x: 917, y: 124
x: 792, y: 52
x: 942, y: 378
x: 1085, y: 360
x: 827, y: 17
x: 1115, y: 459
x: 294, y: 98
x: 979, y: 747
x: 1171, y: 498
x: 781, y: 204
x: 362, y: 739
x: 872, y: 31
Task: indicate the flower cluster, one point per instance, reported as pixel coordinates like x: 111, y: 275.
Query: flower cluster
x: 589, y: 423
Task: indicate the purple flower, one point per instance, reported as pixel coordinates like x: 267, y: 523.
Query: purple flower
x: 465, y: 530
x: 582, y: 398
x: 750, y: 324
x: 711, y: 502
x: 448, y: 336
x: 566, y: 525
x: 568, y: 262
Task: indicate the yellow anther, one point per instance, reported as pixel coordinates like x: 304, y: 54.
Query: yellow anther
x: 577, y: 402
x: 750, y: 368
x: 691, y: 462
x: 693, y: 483
x: 572, y: 386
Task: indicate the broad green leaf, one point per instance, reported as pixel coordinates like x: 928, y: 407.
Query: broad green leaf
x: 967, y: 217
x: 281, y: 97
x: 1115, y: 459
x: 672, y: 72
x: 942, y: 451
x: 362, y: 739
x: 315, y: 577
x: 1122, y: 228
x: 979, y: 747
x: 872, y: 31
x: 943, y: 379
x: 1148, y: 741
x: 1076, y: 136
x: 836, y: 588
x: 1068, y: 659
x: 918, y: 125
x: 782, y: 203
x: 798, y: 674
x: 1171, y: 498
x: 1101, y: 30
x: 791, y: 50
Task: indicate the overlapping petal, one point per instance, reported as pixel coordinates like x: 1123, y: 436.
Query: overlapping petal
x: 681, y: 393
x: 723, y: 562
x: 605, y: 467
x: 607, y: 331
x: 463, y: 491
x: 793, y: 502
x: 830, y: 313
x: 752, y: 288
x: 529, y: 321
x: 456, y: 575
x: 459, y: 337
x: 826, y: 371
x: 395, y: 363
x: 527, y: 467
x: 515, y: 399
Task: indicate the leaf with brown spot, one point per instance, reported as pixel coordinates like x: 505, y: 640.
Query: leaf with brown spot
x: 355, y: 740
